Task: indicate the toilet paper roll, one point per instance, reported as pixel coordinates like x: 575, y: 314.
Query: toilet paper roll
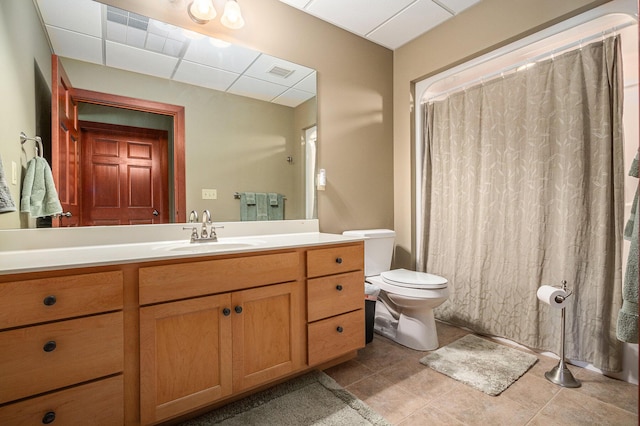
x: 548, y: 294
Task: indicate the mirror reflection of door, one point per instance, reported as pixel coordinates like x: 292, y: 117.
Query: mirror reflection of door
x: 150, y: 182
x: 124, y: 174
x: 310, y: 141
x: 65, y: 146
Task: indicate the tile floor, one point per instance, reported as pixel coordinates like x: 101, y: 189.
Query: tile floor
x: 390, y: 379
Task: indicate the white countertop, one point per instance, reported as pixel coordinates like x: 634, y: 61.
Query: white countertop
x: 32, y: 260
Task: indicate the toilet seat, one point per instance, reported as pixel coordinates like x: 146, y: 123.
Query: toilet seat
x: 413, y: 279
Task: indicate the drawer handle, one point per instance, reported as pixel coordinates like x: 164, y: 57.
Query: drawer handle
x: 50, y: 346
x: 226, y: 312
x: 49, y: 417
x: 50, y: 300
x: 339, y: 287
x: 340, y: 329
x: 238, y: 309
x: 338, y: 260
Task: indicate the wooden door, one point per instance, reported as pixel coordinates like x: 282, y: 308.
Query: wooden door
x: 268, y: 334
x: 65, y: 146
x: 185, y: 356
x: 125, y: 175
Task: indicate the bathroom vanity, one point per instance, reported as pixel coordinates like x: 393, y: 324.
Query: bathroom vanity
x: 169, y: 331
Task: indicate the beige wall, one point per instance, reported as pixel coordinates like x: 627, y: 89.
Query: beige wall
x: 355, y: 111
x: 479, y: 29
x: 17, y: 106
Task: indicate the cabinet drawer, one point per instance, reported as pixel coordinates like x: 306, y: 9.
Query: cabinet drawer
x: 333, y: 295
x: 97, y: 403
x: 181, y: 281
x: 335, y: 260
x: 48, y: 299
x: 46, y: 357
x: 327, y: 342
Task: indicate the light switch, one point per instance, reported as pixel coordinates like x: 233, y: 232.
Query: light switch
x: 14, y: 173
x: 209, y: 194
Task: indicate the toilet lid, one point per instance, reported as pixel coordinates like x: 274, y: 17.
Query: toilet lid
x: 413, y: 279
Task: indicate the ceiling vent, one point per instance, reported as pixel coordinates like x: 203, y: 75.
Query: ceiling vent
x: 280, y: 72
x: 127, y: 18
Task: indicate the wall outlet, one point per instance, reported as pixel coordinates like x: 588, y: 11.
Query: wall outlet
x: 209, y: 194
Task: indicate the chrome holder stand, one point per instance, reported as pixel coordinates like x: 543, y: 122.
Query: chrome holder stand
x: 560, y: 374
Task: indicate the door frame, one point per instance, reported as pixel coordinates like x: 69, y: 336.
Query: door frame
x: 176, y: 112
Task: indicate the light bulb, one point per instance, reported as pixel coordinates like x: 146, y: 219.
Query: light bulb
x: 232, y: 16
x: 201, y: 11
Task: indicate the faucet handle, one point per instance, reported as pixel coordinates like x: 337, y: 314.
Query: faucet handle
x: 194, y: 232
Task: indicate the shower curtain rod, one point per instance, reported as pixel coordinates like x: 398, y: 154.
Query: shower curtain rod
x: 515, y: 67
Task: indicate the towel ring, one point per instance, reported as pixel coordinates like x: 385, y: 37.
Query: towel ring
x: 37, y: 139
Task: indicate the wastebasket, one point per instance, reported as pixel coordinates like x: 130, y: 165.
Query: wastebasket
x: 370, y: 296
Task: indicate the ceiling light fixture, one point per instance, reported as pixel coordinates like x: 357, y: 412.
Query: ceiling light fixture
x: 232, y: 16
x: 203, y: 11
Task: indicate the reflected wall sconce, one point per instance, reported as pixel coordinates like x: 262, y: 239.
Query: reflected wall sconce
x: 203, y: 11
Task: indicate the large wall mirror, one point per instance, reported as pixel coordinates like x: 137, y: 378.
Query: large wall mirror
x: 248, y: 117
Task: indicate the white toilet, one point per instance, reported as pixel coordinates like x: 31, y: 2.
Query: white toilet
x: 404, y: 310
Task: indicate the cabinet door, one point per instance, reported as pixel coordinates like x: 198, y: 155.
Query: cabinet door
x: 185, y: 356
x: 268, y: 333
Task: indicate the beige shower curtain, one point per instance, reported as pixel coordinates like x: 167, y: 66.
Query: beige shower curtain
x: 523, y: 186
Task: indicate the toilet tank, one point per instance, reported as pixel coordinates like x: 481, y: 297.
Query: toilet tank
x: 378, y: 249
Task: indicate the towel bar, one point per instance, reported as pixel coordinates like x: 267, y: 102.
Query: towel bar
x: 236, y: 195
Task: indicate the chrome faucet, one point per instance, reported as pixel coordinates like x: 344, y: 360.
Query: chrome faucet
x: 206, y: 220
x: 205, y: 235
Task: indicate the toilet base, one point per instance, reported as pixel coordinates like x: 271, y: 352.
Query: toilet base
x: 417, y: 331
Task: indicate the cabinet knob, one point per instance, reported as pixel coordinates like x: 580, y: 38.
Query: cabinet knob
x: 50, y: 346
x: 339, y: 287
x: 340, y: 329
x: 226, y: 312
x: 50, y: 300
x: 338, y: 260
x: 238, y: 309
x: 49, y: 417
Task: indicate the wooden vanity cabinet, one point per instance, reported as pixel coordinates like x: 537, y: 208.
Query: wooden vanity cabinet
x: 148, y: 342
x: 194, y: 352
x: 62, y: 348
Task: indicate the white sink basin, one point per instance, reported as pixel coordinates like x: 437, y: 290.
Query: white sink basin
x: 223, y: 244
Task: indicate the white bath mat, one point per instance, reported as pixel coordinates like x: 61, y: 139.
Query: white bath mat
x: 481, y: 364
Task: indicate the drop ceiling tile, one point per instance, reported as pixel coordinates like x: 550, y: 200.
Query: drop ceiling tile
x: 231, y: 58
x: 173, y: 47
x: 155, y: 43
x: 76, y: 15
x: 293, y: 97
x: 201, y: 75
x: 357, y: 16
x: 116, y: 32
x: 74, y: 45
x: 308, y: 84
x: 257, y: 89
x: 136, y: 37
x: 261, y: 67
x: 139, y: 60
x: 458, y: 5
x: 409, y: 24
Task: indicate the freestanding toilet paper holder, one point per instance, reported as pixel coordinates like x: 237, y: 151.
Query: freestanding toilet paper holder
x: 560, y: 374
